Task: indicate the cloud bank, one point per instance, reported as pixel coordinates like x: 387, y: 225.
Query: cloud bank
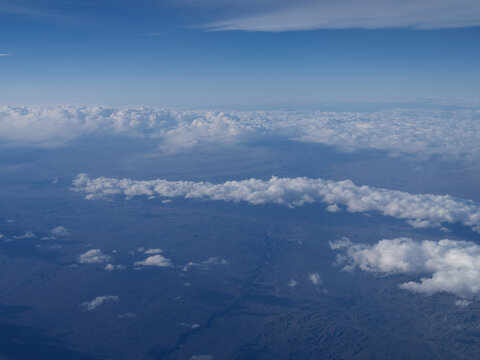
x: 347, y: 14
x: 419, y: 210
x: 445, y: 265
x: 426, y: 132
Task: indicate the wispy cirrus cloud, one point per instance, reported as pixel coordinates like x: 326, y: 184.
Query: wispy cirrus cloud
x: 350, y: 14
x: 28, y: 8
x: 419, y: 210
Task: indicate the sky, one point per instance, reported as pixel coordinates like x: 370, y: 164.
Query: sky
x: 223, y: 53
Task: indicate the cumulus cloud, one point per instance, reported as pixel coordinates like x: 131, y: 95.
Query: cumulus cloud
x: 60, y: 231
x: 315, y: 278
x: 347, y: 14
x: 443, y: 266
x: 112, y: 267
x: 51, y: 126
x: 155, y: 260
x: 426, y: 132
x: 26, y: 235
x: 99, y: 300
x: 292, y: 283
x: 419, y: 210
x: 93, y: 256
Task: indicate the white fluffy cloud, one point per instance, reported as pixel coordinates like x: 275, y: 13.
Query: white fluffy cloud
x: 155, y: 260
x: 420, y: 210
x: 315, y: 278
x: 443, y: 266
x: 113, y: 267
x: 426, y: 132
x: 99, y: 300
x: 60, y: 231
x: 51, y: 126
x: 292, y: 283
x: 93, y: 256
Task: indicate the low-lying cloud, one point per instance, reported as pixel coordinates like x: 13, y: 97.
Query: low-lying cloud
x: 60, y: 231
x: 98, y: 301
x: 419, y: 210
x: 155, y: 260
x: 405, y: 131
x: 443, y: 266
x: 94, y: 256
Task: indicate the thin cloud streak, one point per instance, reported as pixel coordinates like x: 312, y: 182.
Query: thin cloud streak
x: 348, y: 14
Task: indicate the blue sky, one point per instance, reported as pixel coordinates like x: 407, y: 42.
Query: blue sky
x: 260, y: 53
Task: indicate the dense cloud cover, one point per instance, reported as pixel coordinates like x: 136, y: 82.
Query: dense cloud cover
x: 426, y: 132
x: 453, y: 266
x: 420, y: 210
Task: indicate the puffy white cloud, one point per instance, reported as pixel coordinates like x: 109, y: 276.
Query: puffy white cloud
x: 443, y: 266
x: 93, y: 256
x: 99, y: 300
x: 60, y: 231
x: 112, y: 267
x: 155, y: 260
x: 50, y: 126
x: 292, y: 283
x: 420, y: 210
x: 426, y: 132
x: 315, y: 278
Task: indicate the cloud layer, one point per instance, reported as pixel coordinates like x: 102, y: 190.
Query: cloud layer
x: 448, y: 266
x: 426, y: 132
x: 420, y: 210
